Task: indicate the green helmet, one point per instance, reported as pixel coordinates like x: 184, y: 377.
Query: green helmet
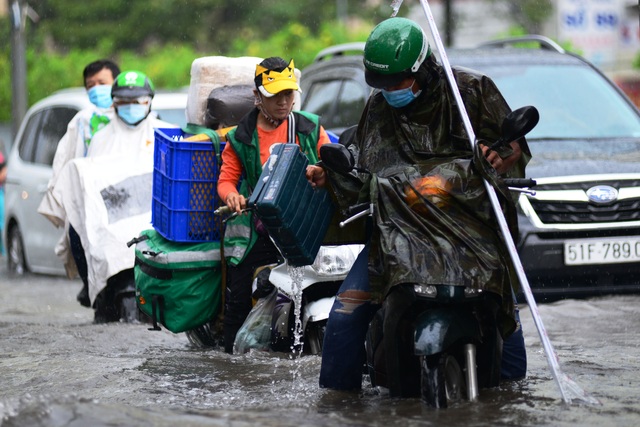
x: 394, y: 50
x: 132, y: 84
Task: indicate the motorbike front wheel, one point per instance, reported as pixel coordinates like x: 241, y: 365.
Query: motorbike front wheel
x: 442, y: 380
x: 204, y: 336
x: 314, y: 337
x: 117, y: 301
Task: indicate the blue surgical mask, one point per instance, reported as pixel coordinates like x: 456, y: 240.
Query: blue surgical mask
x: 100, y: 96
x: 133, y: 113
x: 401, y: 97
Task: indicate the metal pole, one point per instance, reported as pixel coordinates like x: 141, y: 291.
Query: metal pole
x: 448, y: 22
x: 568, y: 388
x: 341, y: 10
x: 18, y: 15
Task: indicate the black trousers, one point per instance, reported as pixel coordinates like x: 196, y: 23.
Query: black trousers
x: 237, y: 301
x: 78, y: 255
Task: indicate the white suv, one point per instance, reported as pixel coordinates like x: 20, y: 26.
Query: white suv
x: 29, y: 237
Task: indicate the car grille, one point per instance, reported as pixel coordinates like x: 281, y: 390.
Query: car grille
x: 585, y: 185
x: 560, y: 210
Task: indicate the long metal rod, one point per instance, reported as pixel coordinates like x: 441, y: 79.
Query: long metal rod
x: 568, y: 388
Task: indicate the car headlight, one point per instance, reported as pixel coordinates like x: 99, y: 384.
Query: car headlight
x: 335, y: 260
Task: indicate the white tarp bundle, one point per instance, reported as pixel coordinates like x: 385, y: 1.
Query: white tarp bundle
x: 211, y: 72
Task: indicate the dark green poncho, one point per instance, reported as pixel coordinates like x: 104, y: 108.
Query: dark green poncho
x: 433, y: 221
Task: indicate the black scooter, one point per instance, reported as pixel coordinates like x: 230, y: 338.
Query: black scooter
x: 440, y: 342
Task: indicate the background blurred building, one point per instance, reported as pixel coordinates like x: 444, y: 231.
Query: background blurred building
x: 606, y: 32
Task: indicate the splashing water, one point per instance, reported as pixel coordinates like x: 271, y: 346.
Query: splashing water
x: 395, y: 5
x: 297, y: 275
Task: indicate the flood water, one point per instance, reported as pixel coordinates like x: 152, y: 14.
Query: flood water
x: 59, y: 369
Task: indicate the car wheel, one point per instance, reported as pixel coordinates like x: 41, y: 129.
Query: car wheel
x: 442, y: 380
x: 15, y: 252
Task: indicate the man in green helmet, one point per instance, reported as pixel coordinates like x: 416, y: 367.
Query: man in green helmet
x: 412, y: 137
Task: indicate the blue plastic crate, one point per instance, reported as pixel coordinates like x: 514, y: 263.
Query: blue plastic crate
x: 179, y: 159
x: 184, y: 225
x: 185, y: 178
x: 185, y: 194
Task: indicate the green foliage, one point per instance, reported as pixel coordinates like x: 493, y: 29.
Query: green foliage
x: 296, y: 41
x: 205, y: 24
x: 167, y: 65
x: 528, y: 14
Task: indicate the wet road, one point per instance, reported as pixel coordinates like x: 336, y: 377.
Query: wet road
x: 58, y: 369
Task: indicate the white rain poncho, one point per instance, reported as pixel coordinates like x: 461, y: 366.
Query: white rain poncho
x: 106, y: 196
x: 74, y: 144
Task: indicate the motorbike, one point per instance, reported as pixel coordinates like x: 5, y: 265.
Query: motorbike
x: 436, y: 341
x: 302, y: 294
x: 317, y: 286
x: 117, y: 301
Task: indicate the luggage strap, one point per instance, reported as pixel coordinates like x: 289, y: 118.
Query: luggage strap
x: 195, y: 129
x: 291, y: 129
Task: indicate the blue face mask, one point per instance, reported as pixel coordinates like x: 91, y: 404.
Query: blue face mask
x: 133, y: 113
x: 100, y: 96
x: 401, y: 97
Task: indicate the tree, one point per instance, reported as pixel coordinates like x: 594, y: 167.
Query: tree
x: 208, y: 25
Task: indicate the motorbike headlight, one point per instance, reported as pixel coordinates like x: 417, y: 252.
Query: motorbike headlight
x: 335, y: 260
x: 429, y: 291
x: 471, y: 292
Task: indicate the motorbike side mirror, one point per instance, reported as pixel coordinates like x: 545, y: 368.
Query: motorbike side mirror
x: 337, y: 157
x: 519, y: 122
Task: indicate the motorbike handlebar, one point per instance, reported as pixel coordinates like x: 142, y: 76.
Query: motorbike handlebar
x: 520, y: 182
x: 355, y: 209
x: 222, y: 210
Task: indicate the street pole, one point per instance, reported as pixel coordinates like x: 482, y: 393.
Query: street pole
x: 448, y: 23
x: 18, y: 16
x: 341, y: 10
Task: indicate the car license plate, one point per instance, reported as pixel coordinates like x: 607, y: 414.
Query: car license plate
x: 602, y: 251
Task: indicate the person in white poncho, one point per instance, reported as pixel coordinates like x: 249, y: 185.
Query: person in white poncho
x: 106, y: 196
x: 98, y: 77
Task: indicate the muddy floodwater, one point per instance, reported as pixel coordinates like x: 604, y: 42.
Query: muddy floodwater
x: 59, y: 369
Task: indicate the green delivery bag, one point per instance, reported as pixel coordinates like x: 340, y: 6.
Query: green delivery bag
x: 177, y: 284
